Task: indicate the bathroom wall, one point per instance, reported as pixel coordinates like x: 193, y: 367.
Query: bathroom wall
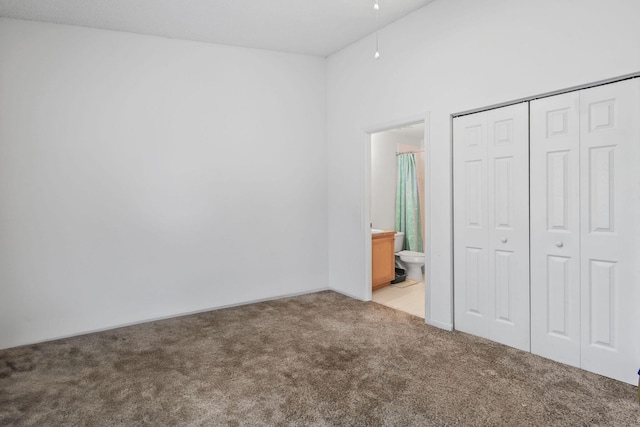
x: 143, y: 177
x: 384, y: 175
x: 448, y: 57
x: 384, y: 170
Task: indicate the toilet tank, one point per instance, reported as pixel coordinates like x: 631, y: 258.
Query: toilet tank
x: 399, y: 241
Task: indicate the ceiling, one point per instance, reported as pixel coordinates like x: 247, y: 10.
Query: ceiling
x: 313, y: 27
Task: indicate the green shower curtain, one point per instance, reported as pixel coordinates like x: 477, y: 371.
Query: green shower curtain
x: 408, y: 217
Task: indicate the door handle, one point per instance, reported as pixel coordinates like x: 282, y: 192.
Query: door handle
x: 503, y: 240
x: 559, y: 244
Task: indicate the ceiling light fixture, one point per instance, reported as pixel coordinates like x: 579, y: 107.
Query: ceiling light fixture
x: 376, y: 7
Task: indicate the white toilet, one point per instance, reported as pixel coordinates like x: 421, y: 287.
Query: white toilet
x: 408, y: 260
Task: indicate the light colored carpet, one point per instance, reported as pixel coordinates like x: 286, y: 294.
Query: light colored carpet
x: 315, y: 360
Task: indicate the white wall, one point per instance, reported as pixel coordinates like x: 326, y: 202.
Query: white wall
x: 448, y: 57
x: 143, y: 177
x: 384, y: 171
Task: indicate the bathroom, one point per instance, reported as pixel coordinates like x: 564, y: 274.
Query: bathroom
x: 397, y: 204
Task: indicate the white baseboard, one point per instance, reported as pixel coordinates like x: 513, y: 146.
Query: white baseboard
x: 346, y: 294
x: 171, y: 316
x: 441, y: 325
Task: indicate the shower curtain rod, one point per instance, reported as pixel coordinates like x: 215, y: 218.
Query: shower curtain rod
x: 410, y: 152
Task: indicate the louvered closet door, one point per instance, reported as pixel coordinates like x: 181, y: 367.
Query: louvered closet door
x: 555, y: 228
x: 610, y: 229
x: 491, y: 225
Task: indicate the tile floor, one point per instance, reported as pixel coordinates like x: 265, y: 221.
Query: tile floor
x: 409, y: 299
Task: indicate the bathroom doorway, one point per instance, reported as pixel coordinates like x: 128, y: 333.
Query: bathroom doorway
x: 397, y: 203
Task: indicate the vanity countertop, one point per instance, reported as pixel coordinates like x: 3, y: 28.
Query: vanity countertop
x: 382, y: 234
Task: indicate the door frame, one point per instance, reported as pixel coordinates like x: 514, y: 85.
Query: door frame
x: 543, y: 95
x: 366, y: 201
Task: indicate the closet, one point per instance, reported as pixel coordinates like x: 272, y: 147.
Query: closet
x: 491, y: 224
x: 579, y: 207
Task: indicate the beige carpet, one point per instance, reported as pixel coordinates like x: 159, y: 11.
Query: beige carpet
x: 320, y: 359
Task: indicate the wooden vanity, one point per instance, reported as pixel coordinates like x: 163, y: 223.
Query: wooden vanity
x: 382, y: 259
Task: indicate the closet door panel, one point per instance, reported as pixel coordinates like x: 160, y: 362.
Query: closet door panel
x: 508, y: 221
x: 470, y: 224
x: 610, y: 159
x: 555, y: 228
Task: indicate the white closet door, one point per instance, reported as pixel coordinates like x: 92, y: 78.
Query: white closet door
x: 610, y: 192
x: 555, y: 228
x: 491, y: 225
x: 470, y: 224
x: 508, y: 196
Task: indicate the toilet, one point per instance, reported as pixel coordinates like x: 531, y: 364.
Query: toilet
x: 408, y: 260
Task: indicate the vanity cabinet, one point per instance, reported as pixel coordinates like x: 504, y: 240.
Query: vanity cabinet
x: 382, y: 259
